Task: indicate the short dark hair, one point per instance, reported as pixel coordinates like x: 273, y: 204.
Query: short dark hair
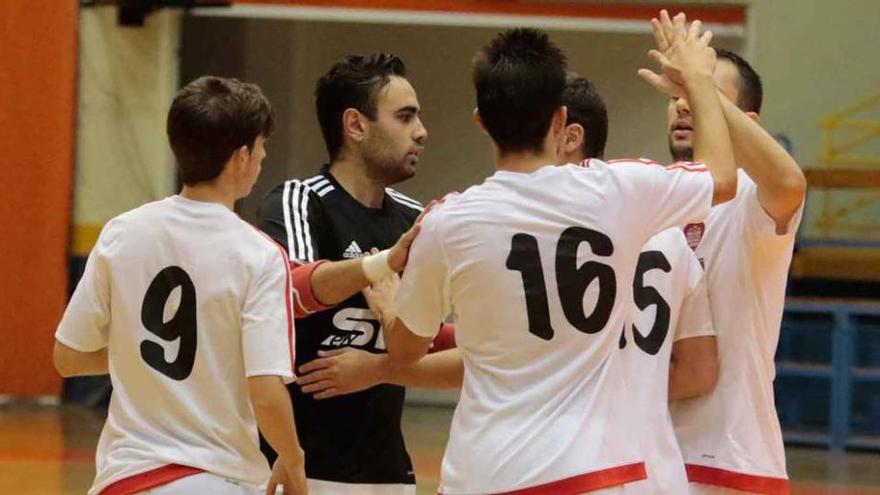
x: 353, y: 82
x: 209, y: 119
x: 586, y: 107
x: 519, y: 78
x: 751, y: 91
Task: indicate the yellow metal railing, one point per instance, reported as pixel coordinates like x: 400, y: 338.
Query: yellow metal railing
x: 843, y: 132
x: 849, y: 163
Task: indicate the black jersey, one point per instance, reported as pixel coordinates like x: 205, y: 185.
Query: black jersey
x: 353, y: 438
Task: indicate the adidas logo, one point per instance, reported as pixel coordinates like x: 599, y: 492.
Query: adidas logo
x: 352, y: 251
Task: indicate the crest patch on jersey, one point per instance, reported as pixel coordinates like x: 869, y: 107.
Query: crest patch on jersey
x: 693, y: 232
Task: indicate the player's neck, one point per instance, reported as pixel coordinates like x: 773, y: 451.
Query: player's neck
x: 210, y: 193
x: 352, y: 176
x: 525, y: 163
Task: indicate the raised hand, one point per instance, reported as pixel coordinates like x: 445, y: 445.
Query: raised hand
x: 682, y: 52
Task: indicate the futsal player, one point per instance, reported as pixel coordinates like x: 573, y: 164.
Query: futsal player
x: 187, y: 307
x: 669, y: 347
x: 731, y: 438
x: 537, y: 264
x: 370, y: 120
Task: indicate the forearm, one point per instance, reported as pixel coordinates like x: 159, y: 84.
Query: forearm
x: 694, y: 367
x: 779, y: 179
x: 274, y: 415
x: 444, y: 369
x: 681, y: 386
x: 334, y: 282
x: 69, y: 362
x: 712, y: 144
x: 404, y: 347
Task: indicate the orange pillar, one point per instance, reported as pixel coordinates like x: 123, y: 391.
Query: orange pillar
x: 38, y: 61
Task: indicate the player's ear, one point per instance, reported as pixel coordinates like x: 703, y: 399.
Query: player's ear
x: 754, y: 116
x: 560, y: 116
x: 479, y: 121
x: 354, y: 125
x: 574, y: 138
x: 238, y: 161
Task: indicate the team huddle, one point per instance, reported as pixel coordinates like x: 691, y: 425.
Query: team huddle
x: 611, y: 324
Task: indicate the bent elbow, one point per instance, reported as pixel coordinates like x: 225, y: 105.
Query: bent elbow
x: 61, y: 362
x: 64, y: 369
x: 796, y: 184
x: 724, y: 191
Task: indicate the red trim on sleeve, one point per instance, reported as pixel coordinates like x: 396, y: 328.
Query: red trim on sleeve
x: 643, y: 161
x: 689, y: 166
x: 738, y: 481
x: 306, y: 303
x: 586, y: 482
x: 150, y: 479
x: 291, y: 335
x: 445, y: 338
x: 434, y: 203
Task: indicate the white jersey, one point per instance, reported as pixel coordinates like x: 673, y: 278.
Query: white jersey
x: 671, y: 304
x: 189, y: 300
x: 538, y: 269
x: 731, y: 437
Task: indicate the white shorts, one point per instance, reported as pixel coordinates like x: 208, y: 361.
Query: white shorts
x: 702, y: 489
x: 321, y: 487
x: 205, y: 483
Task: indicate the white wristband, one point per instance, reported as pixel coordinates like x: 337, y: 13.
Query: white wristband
x: 376, y: 266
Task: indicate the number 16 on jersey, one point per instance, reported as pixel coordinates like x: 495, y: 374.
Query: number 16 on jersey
x: 572, y: 280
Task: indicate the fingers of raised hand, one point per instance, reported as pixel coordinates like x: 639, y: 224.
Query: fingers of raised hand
x: 693, y: 32
x: 667, y: 26
x: 679, y: 23
x: 661, y: 83
x: 659, y: 36
x: 706, y: 38
x: 660, y: 58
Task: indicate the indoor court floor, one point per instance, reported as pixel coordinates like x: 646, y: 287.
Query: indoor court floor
x: 50, y: 450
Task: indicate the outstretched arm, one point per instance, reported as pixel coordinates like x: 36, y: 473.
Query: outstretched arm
x: 688, y: 65
x: 780, y: 182
x: 346, y: 371
x: 334, y: 282
x: 290, y: 214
